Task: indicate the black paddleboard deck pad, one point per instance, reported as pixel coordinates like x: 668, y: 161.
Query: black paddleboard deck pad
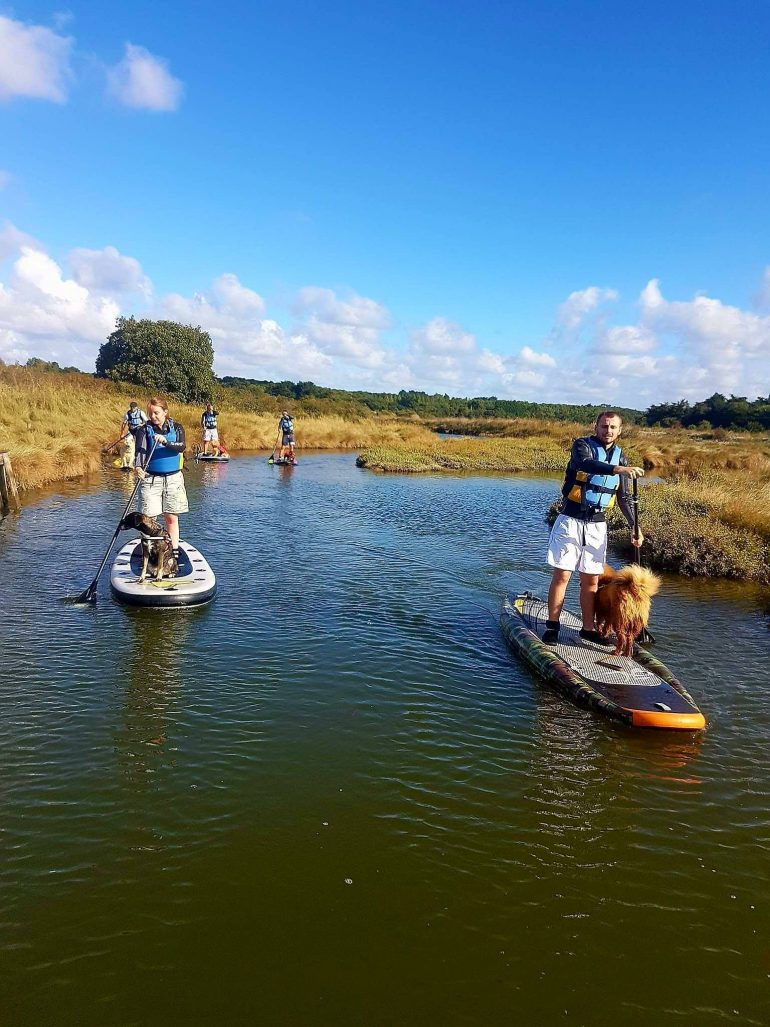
x: 639, y: 691
x: 194, y: 585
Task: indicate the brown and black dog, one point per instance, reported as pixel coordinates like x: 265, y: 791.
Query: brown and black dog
x: 157, y: 551
x: 623, y: 604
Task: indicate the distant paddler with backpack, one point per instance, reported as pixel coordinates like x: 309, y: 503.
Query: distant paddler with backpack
x: 597, y: 476
x: 286, y: 435
x: 134, y: 420
x: 210, y: 432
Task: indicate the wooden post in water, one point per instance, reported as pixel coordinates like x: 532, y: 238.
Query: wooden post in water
x: 9, y: 493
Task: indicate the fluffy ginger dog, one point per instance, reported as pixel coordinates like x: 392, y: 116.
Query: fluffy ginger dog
x: 623, y: 604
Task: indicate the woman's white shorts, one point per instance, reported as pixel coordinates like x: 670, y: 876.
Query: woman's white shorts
x: 578, y: 545
x: 163, y: 494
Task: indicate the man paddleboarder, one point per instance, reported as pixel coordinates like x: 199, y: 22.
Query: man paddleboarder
x: 209, y: 427
x: 597, y: 476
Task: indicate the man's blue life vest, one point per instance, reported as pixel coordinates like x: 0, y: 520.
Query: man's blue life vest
x: 594, y: 492
x: 134, y: 418
x: 286, y: 425
x: 164, y: 461
x: 209, y: 419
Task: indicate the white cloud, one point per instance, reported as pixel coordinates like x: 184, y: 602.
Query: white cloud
x: 626, y: 339
x: 676, y: 349
x: 34, y: 62
x: 42, y: 313
x: 579, y: 304
x: 529, y: 356
x: 142, y: 80
x: 12, y: 239
x: 237, y: 297
x: 491, y: 363
x: 708, y: 325
x: 245, y: 344
x: 442, y: 336
x: 108, y: 272
x: 524, y: 379
x: 349, y: 328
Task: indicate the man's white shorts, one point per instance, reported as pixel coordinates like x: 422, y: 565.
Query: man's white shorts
x: 163, y: 494
x: 578, y: 545
x: 210, y: 435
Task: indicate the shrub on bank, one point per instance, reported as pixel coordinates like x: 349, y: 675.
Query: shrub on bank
x: 706, y: 524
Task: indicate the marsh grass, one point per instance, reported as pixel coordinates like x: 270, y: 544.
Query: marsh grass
x: 533, y: 453
x: 663, y: 450
x: 706, y: 524
x: 56, y: 425
x: 712, y: 517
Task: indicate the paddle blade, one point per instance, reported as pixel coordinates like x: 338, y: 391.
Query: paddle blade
x: 645, y: 637
x: 270, y: 460
x: 86, y: 598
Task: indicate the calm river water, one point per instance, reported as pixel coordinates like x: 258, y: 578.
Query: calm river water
x: 333, y: 797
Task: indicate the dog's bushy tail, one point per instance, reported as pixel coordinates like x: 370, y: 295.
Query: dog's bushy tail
x: 639, y: 582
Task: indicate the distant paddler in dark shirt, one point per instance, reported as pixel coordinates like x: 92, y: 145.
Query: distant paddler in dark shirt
x: 597, y: 476
x: 133, y: 420
x: 161, y: 490
x: 209, y: 427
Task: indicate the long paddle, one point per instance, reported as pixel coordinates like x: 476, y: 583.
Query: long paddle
x: 89, y: 594
x: 271, y: 458
x: 106, y: 449
x: 644, y: 636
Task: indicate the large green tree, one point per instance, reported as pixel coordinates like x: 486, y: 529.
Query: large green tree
x: 162, y: 356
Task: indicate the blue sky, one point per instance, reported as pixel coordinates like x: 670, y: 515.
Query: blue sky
x: 542, y: 200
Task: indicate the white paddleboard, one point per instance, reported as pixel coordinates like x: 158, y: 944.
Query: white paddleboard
x: 195, y: 584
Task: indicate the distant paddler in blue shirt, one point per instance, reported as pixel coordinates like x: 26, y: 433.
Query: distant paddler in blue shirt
x: 286, y: 428
x: 210, y: 432
x: 597, y: 476
x: 133, y: 420
x: 161, y: 490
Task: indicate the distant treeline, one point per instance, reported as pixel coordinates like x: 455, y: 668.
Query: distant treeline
x: 737, y: 413
x: 422, y: 403
x: 258, y: 395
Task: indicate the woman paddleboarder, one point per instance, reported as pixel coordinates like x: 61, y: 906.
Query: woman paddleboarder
x: 161, y: 490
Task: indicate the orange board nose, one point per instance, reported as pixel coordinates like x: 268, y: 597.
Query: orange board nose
x: 672, y: 721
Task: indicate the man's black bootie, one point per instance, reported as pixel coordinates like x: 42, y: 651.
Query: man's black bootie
x: 594, y: 636
x: 551, y: 633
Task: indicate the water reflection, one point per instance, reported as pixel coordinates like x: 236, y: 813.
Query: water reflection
x: 152, y: 659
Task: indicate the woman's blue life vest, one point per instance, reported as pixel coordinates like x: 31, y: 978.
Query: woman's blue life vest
x: 164, y: 461
x: 209, y: 419
x: 596, y: 493
x: 134, y: 419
